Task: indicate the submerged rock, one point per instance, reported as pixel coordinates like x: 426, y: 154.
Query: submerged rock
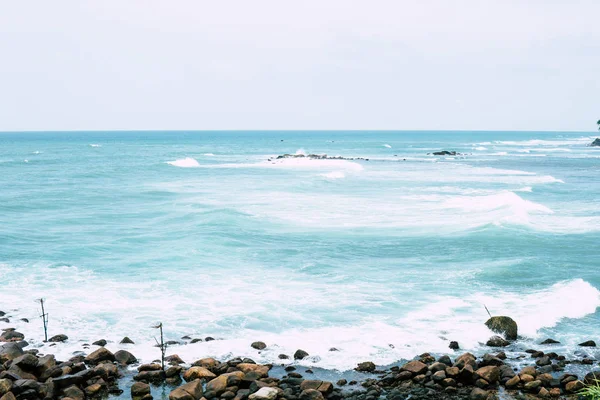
x: 503, y: 325
x: 596, y: 142
x: 497, y: 341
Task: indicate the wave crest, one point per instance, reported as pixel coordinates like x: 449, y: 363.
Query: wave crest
x: 187, y: 162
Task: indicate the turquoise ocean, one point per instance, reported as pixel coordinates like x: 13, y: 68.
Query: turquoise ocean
x: 384, y: 258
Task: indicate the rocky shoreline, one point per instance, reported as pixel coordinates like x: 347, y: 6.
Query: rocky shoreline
x: 25, y: 374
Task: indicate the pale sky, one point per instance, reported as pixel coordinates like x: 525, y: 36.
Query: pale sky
x: 304, y: 64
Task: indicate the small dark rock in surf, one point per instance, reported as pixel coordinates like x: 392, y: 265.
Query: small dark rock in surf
x: 126, y: 340
x: 258, y: 345
x: 588, y: 343
x: 367, y: 366
x: 550, y: 341
x: 58, y: 338
x: 300, y: 354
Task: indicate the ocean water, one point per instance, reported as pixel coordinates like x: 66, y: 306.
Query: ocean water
x: 383, y: 258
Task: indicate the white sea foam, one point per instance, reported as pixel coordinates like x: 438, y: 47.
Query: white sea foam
x: 540, y: 142
x: 37, y: 152
x: 209, y: 154
x: 300, y: 152
x: 334, y: 175
x: 504, y: 199
x: 387, y: 145
x: 97, y: 307
x: 95, y: 145
x: 480, y: 148
x: 187, y: 162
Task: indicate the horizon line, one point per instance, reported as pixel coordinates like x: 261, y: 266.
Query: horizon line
x: 289, y: 130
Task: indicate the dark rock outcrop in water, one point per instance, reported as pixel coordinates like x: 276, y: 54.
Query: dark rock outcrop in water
x: 445, y: 153
x: 596, y: 142
x: 319, y: 157
x: 503, y: 325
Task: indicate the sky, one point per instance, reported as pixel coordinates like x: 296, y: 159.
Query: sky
x: 310, y: 64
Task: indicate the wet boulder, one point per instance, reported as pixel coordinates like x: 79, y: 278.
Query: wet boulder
x: 300, y: 354
x: 124, y: 357
x: 596, y: 142
x: 588, y: 343
x: 100, y: 355
x: 190, y: 391
x: 503, y: 325
x: 198, y: 373
x: 366, y: 366
x: 139, y: 390
x: 58, y: 338
x: 11, y: 335
x: 258, y: 345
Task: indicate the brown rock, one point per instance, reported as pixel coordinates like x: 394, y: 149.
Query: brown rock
x: 179, y: 394
x: 208, y: 363
x: 554, y: 392
x: 198, y: 373
x: 139, y: 390
x: 74, y: 392
x: 491, y: 373
x: 261, y: 370
x: 415, y: 367
x: 9, y: 396
x: 574, y: 386
x: 5, y: 386
x: 439, y: 376
x: 219, y: 384
x: 452, y: 372
x: 99, y: 355
x: 512, y: 382
x: 465, y: 359
x: 194, y: 388
x: 526, y: 378
x: 529, y: 371
x: 543, y: 393
x: 311, y: 394
x: 479, y: 394
x: 94, y: 390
